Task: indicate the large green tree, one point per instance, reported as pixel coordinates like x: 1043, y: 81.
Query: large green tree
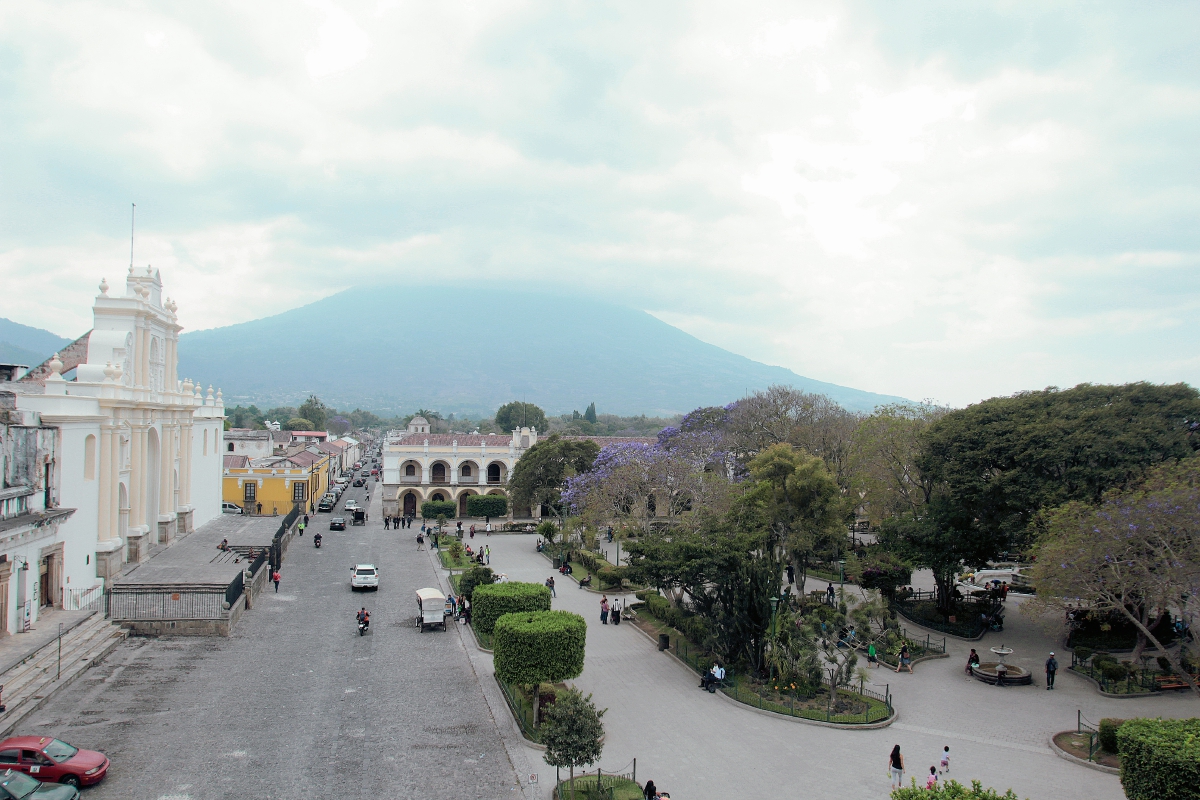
x: 518, y: 414
x: 315, y: 412
x: 1000, y: 462
x: 573, y: 733
x: 539, y: 475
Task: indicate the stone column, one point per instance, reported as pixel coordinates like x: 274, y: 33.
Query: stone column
x: 137, y: 474
x: 166, y: 487
x: 114, y: 516
x: 103, y: 516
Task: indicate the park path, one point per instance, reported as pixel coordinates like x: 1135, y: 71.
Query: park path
x: 697, y: 745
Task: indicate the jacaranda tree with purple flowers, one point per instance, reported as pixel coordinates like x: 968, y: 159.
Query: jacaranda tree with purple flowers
x: 1137, y: 554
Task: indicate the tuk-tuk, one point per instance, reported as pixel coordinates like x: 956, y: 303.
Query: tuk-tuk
x: 431, y: 609
x: 360, y: 517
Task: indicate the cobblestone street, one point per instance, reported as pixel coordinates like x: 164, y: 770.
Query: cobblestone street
x: 295, y: 703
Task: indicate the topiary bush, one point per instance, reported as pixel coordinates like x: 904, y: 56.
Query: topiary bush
x: 539, y: 646
x: 1083, y: 653
x: 432, y: 509
x: 1108, y: 733
x: 491, y: 602
x: 474, y: 577
x: 487, y: 505
x: 1114, y: 670
x: 1160, y: 759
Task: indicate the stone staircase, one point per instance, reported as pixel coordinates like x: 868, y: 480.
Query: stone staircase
x: 30, y: 683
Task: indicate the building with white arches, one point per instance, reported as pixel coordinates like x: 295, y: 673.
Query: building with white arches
x: 419, y: 466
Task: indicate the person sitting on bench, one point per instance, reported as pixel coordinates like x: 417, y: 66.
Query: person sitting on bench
x: 585, y: 582
x: 712, y: 677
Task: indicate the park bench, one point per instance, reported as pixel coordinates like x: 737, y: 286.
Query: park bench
x: 1165, y: 682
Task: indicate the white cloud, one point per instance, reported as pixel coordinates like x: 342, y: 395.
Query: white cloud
x: 807, y: 186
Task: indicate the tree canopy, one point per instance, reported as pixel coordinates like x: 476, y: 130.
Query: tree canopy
x: 315, y: 412
x: 1002, y: 461
x: 520, y: 415
x: 541, y: 473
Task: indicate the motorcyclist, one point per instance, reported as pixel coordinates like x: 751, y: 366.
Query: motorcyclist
x: 364, y: 618
x: 317, y: 539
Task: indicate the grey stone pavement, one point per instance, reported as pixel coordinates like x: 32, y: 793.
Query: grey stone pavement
x: 295, y: 703
x: 697, y: 745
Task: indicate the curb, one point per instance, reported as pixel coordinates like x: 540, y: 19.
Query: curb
x: 17, y: 716
x: 475, y: 639
x: 841, y: 726
x: 941, y: 633
x: 914, y: 662
x: 1058, y: 751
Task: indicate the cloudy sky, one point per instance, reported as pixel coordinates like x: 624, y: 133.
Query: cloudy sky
x: 945, y: 201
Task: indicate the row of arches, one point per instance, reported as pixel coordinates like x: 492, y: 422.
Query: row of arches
x: 468, y: 472
x: 409, y: 501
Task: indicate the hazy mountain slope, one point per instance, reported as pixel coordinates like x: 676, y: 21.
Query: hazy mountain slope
x: 471, y: 349
x: 22, y: 344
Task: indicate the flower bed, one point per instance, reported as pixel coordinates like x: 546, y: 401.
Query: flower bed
x: 849, y: 708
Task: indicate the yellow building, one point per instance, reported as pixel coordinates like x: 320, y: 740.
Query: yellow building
x: 277, y: 484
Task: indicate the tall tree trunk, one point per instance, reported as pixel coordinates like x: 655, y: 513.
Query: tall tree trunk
x: 572, y: 782
x: 537, y: 696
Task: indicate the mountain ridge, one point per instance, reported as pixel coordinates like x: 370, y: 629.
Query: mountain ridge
x: 24, y: 344
x: 391, y: 349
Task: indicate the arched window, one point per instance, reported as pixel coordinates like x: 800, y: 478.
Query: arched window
x: 437, y: 497
x: 493, y: 473
x: 466, y: 470
x: 410, y: 470
x: 89, y: 458
x: 439, y: 473
x: 229, y: 447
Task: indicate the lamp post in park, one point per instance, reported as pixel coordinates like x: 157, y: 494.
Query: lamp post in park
x: 842, y: 581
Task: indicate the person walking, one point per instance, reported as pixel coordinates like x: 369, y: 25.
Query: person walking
x: 603, y: 610
x: 472, y: 531
x: 650, y: 792
x: 275, y: 576
x: 259, y: 507
x: 896, y: 767
x: 830, y: 595
x: 487, y: 554
x: 872, y: 656
x: 791, y: 573
x: 1051, y: 669
x: 550, y: 585
x: 300, y: 527
x: 387, y: 521
x: 615, y: 612
x: 488, y: 529
x: 420, y: 541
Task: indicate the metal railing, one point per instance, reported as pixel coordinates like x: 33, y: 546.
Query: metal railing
x: 84, y: 599
x: 162, y: 604
x: 698, y: 660
x: 1084, y: 726
x: 606, y: 782
x: 970, y: 628
x: 521, y: 711
x: 234, y: 590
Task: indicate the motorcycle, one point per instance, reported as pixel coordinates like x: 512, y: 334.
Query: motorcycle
x: 363, y: 624
x: 317, y: 541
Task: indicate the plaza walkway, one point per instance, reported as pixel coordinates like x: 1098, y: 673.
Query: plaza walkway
x: 699, y: 746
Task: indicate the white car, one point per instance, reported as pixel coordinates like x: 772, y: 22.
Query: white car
x: 364, y: 576
x: 230, y: 508
x: 352, y: 504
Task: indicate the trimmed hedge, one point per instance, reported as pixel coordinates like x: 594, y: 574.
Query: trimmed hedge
x: 951, y: 790
x: 692, y: 626
x: 1160, y: 759
x: 538, y: 646
x: 1108, y: 733
x: 430, y: 509
x: 487, y: 505
x: 490, y: 602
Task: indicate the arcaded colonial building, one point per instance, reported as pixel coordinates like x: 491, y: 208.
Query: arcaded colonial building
x: 132, y: 451
x: 419, y: 466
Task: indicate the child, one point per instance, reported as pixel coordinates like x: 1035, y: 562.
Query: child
x: 931, y: 781
x: 946, y: 759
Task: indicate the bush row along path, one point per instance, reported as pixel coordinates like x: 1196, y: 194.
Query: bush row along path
x: 696, y: 745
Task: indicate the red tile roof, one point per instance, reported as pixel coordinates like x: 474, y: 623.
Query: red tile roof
x: 463, y: 439
x: 236, y: 462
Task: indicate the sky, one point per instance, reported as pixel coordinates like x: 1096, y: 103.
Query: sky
x: 945, y: 201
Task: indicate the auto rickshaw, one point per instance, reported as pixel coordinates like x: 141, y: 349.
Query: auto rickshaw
x: 360, y: 517
x: 431, y: 609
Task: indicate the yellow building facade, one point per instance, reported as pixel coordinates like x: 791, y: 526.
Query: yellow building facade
x: 276, y: 485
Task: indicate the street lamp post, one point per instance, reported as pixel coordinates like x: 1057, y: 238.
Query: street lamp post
x: 842, y: 581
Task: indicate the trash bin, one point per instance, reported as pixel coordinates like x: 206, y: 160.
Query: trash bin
x: 557, y: 562
x: 664, y: 641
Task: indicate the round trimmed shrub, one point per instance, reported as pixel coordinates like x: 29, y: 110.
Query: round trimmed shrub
x: 1160, y: 759
x: 432, y: 509
x: 1108, y: 733
x: 539, y: 646
x: 490, y: 602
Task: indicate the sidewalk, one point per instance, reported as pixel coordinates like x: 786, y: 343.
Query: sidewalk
x: 18, y: 647
x: 695, y: 745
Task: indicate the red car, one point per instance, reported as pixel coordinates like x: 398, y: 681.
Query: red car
x: 53, y: 760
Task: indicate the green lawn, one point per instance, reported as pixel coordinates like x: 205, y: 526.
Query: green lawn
x: 463, y: 562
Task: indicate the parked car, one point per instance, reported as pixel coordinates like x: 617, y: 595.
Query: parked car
x: 50, y: 759
x: 18, y: 786
x: 337, y: 524
x: 230, y: 508
x: 326, y: 504
x: 364, y: 576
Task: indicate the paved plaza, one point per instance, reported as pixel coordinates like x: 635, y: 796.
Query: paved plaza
x: 697, y: 745
x: 295, y: 704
